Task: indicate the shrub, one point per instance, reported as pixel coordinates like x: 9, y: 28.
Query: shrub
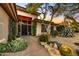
x: 43, y: 38
x: 3, y: 47
x: 74, y: 27
x: 12, y: 30
x: 16, y: 45
x: 34, y: 29
x: 67, y: 32
x: 66, y: 50
x: 60, y: 28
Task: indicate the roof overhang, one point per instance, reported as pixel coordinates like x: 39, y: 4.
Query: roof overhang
x: 22, y: 13
x: 10, y: 9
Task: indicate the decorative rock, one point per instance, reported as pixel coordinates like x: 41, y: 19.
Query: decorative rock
x: 52, y: 49
x: 43, y: 43
x: 54, y: 52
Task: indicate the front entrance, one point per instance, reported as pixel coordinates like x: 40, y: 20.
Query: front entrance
x: 26, y: 29
x: 24, y: 25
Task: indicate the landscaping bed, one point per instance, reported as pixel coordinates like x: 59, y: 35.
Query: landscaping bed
x: 55, y: 48
x: 13, y: 46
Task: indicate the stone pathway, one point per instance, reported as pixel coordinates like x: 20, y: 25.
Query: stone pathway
x: 33, y: 49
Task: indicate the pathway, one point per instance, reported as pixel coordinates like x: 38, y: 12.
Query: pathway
x: 33, y: 49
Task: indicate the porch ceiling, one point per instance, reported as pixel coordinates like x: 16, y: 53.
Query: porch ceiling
x: 23, y: 18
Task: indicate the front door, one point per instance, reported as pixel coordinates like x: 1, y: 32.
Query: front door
x: 24, y: 30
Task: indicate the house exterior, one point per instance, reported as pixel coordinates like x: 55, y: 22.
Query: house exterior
x: 25, y: 22
x: 7, y: 11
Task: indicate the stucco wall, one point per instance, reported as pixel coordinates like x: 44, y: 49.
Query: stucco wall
x: 4, y: 18
x: 38, y: 29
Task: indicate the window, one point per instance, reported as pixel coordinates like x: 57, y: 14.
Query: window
x: 1, y: 30
x: 44, y: 28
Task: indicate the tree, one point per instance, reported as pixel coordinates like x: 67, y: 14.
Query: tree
x: 55, y: 9
x: 33, y: 7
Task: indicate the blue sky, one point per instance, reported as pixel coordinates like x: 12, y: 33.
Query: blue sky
x: 21, y: 4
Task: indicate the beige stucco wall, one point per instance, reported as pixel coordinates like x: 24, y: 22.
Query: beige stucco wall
x: 38, y: 29
x: 4, y: 18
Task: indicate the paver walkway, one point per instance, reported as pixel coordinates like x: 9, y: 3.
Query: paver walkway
x: 33, y: 49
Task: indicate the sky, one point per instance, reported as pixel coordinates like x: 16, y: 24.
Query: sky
x: 48, y: 15
x: 21, y: 4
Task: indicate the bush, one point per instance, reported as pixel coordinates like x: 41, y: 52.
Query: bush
x: 67, y: 32
x: 16, y: 45
x: 3, y: 47
x: 66, y: 50
x: 74, y: 27
x: 60, y: 28
x: 43, y: 38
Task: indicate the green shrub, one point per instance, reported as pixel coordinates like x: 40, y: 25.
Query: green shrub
x: 34, y: 29
x: 43, y: 38
x: 3, y: 47
x: 66, y: 50
x: 12, y: 30
x: 60, y: 28
x: 16, y: 45
x: 67, y: 32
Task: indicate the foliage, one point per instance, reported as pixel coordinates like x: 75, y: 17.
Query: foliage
x: 16, y: 45
x: 33, y: 7
x: 68, y: 9
x: 13, y: 46
x: 3, y: 47
x: 34, y: 28
x: 43, y: 38
x: 12, y: 30
x: 60, y: 28
x: 65, y: 50
x: 74, y: 27
x: 67, y: 32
